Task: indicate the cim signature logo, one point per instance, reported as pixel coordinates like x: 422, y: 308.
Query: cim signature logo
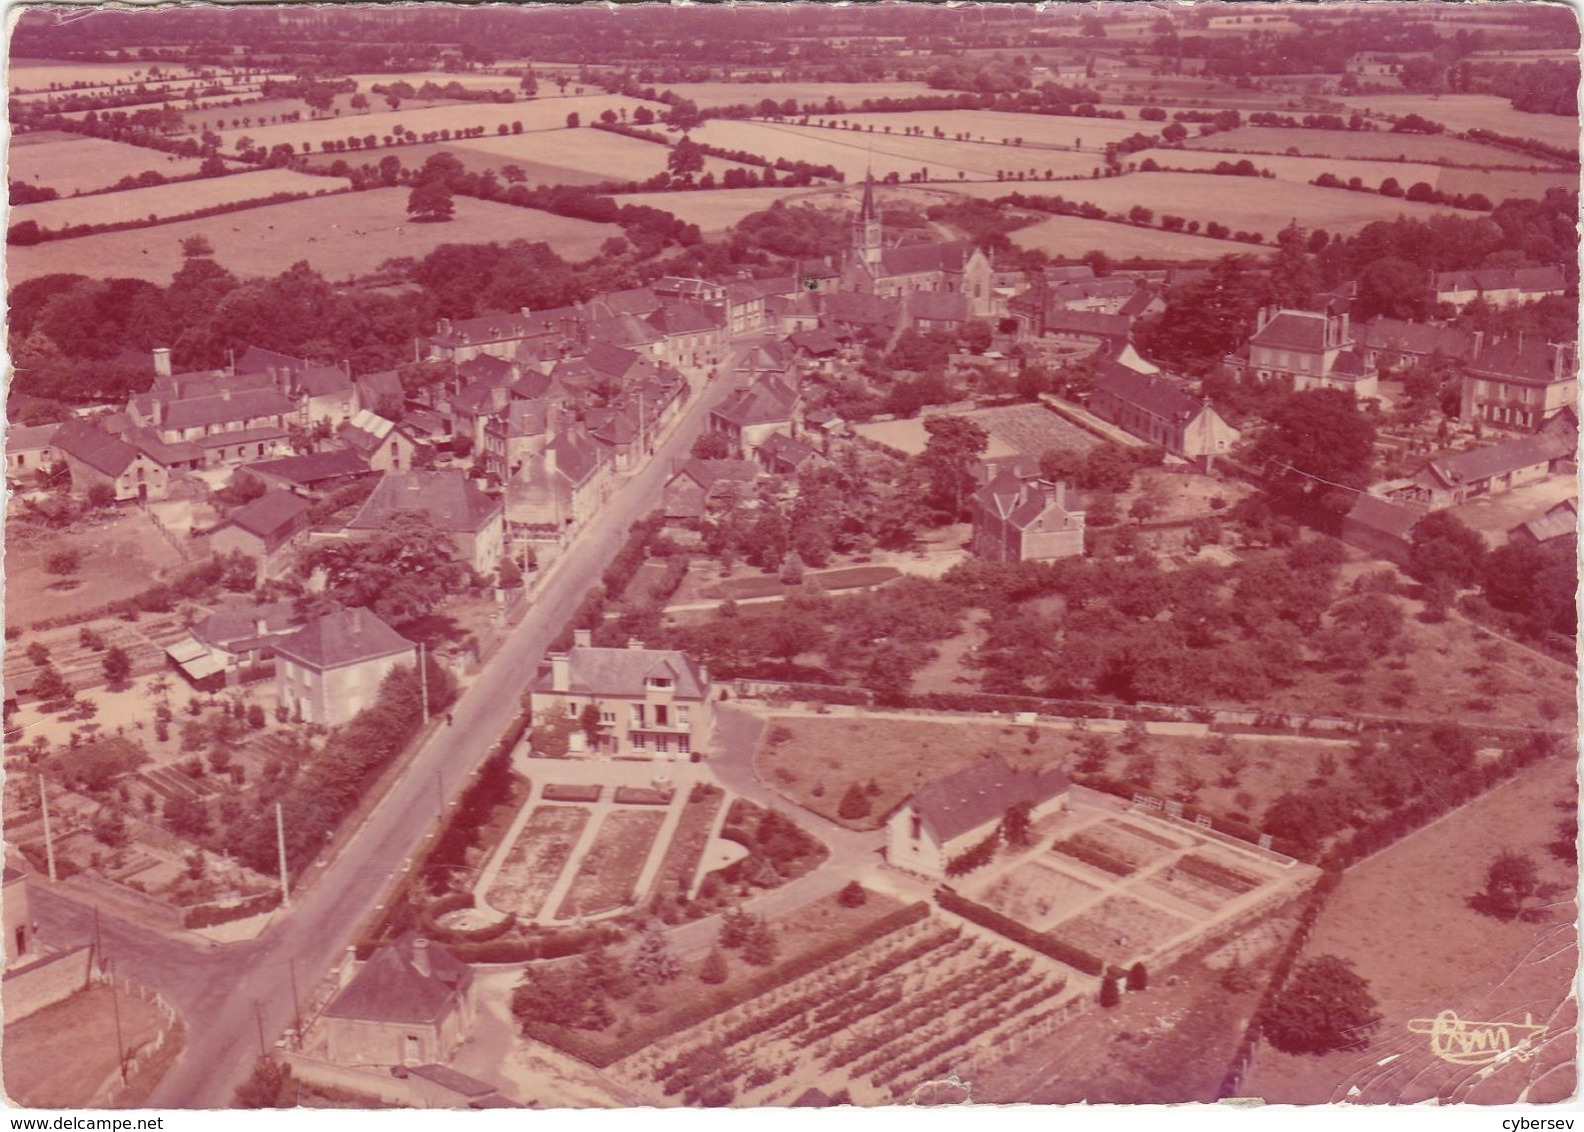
x: 1478, y: 1043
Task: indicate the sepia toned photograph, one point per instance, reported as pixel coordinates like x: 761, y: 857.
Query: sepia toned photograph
x: 791, y: 556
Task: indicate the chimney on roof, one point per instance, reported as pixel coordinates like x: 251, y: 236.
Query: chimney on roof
x: 1345, y: 336
x: 162, y: 365
x: 1479, y: 342
x: 420, y: 957
x: 260, y: 626
x: 583, y: 638
x: 560, y: 672
x: 634, y: 643
x: 1059, y: 494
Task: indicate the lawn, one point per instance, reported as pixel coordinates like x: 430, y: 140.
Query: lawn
x: 1360, y: 143
x: 172, y: 200
x: 1474, y: 112
x: 1071, y: 236
x: 63, y: 1055
x: 70, y: 164
x: 119, y: 557
x: 606, y: 878
x: 718, y: 210
x: 536, y: 859
x: 342, y: 236
x: 1403, y: 920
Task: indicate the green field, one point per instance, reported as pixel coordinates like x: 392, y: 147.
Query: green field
x: 344, y: 235
x: 716, y: 210
x: 1359, y: 143
x: 751, y: 94
x: 1071, y: 236
x: 172, y: 200
x: 71, y: 164
x: 1474, y: 111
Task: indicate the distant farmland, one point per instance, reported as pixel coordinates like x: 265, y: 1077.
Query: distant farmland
x: 341, y: 236
x: 1070, y: 236
x: 1475, y: 112
x: 68, y: 163
x: 717, y: 210
x: 751, y: 94
x: 1361, y: 143
x: 171, y: 200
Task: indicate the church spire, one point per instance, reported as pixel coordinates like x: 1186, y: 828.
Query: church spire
x: 866, y: 239
x: 867, y: 212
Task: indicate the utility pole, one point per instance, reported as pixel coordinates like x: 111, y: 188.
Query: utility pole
x: 423, y: 681
x: 258, y: 1016
x: 291, y: 966
x: 280, y: 843
x: 49, y: 841
x: 115, y: 1006
x: 440, y: 787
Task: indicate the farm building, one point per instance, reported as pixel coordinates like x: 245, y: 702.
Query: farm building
x: 450, y: 502
x: 1451, y: 480
x: 1020, y: 520
x: 651, y: 703
x: 1380, y: 527
x: 1519, y: 383
x: 332, y: 668
x: 95, y: 457
x: 230, y: 644
x: 1161, y: 411
x: 265, y: 530
x: 1309, y: 349
x: 1498, y: 286
x: 1557, y: 527
x: 232, y: 420
x: 411, y: 1003
x: 30, y: 449
x: 947, y: 817
x: 312, y: 472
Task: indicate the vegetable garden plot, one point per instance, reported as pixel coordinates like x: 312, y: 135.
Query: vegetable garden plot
x: 536, y: 859
x: 1120, y: 925
x: 610, y: 870
x: 1034, y: 892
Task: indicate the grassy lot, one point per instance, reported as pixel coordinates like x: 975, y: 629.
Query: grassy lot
x: 1348, y: 143
x: 119, y: 557
x: 716, y: 210
x: 1071, y: 235
x: 172, y: 200
x: 536, y: 859
x: 1474, y: 111
x: 40, y: 74
x: 610, y: 869
x: 687, y: 843
x: 70, y: 164
x: 751, y: 94
x: 61, y: 1056
x: 342, y: 236
x: 588, y: 156
x: 1402, y: 918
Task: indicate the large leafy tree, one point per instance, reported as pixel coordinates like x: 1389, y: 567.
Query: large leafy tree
x: 1324, y: 1006
x: 1321, y: 436
x: 954, y: 447
x: 405, y: 570
x: 1509, y: 882
x: 430, y: 201
x: 1443, y: 550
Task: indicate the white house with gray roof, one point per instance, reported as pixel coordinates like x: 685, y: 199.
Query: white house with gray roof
x: 652, y: 703
x: 945, y: 818
x: 332, y: 668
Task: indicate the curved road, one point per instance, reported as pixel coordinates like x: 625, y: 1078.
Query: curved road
x: 228, y: 994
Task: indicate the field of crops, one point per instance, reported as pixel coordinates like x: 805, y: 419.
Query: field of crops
x: 1474, y: 112
x: 1351, y: 143
x: 342, y: 236
x: 171, y: 200
x: 1036, y: 894
x: 39, y: 74
x: 901, y: 1011
x: 1071, y: 236
x: 71, y: 164
x: 751, y: 94
x: 716, y: 210
x: 583, y: 157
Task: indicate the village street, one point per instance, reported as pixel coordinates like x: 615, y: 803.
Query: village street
x: 230, y: 994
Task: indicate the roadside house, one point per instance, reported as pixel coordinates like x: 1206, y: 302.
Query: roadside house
x: 332, y: 668
x: 410, y: 1004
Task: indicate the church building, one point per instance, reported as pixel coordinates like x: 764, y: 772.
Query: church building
x: 959, y: 267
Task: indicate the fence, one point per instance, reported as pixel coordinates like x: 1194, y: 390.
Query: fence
x: 140, y: 1055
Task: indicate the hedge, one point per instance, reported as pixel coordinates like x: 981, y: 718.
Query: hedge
x: 561, y: 792
x: 208, y: 915
x: 1004, y: 926
x: 1094, y: 855
x: 600, y: 1054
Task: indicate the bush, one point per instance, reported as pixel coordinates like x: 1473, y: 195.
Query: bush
x: 854, y: 804
x: 852, y: 895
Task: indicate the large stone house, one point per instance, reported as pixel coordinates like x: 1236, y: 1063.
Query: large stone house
x: 450, y: 502
x: 332, y: 668
x: 749, y: 416
x: 410, y: 1004
x: 1019, y: 520
x: 94, y: 457
x: 1518, y: 382
x: 1161, y: 411
x: 947, y: 817
x: 1308, y: 349
x: 652, y: 703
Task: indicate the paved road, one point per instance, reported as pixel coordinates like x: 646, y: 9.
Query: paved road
x: 229, y: 993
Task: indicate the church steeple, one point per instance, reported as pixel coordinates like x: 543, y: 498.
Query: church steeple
x: 866, y: 229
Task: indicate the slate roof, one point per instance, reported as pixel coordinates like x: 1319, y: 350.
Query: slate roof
x: 981, y: 793
x: 862, y: 309
x: 380, y: 385
x: 764, y: 402
x: 314, y: 467
x: 200, y: 412
x: 485, y: 368
x: 913, y: 259
x: 939, y: 306
x: 623, y: 672
x: 274, y: 516
x: 1392, y: 519
x: 1559, y: 522
x: 1062, y: 321
x: 388, y: 988
x: 448, y: 498
x: 347, y: 636
x: 236, y: 629
x: 29, y: 438
x: 818, y: 342
x: 633, y: 300
x: 708, y: 473
x: 1528, y: 279
x: 1017, y: 501
x: 622, y: 330
x: 1066, y: 272
x: 683, y: 318
x: 519, y: 418
x: 1293, y: 330
x: 778, y: 447
x: 256, y: 359
x: 323, y: 381
x: 1420, y: 338
x: 1082, y: 290
x: 1526, y: 358
x: 1138, y: 303
x: 1158, y: 396
x: 1479, y: 464
x: 98, y: 449
x: 576, y: 455
x: 799, y: 303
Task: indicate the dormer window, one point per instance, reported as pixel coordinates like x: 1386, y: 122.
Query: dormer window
x: 659, y: 682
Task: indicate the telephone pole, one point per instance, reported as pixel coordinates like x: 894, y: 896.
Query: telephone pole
x: 280, y: 843
x: 115, y: 1006
x: 49, y: 841
x: 423, y: 681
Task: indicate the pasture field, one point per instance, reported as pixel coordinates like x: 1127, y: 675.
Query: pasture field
x: 751, y: 94
x: 990, y: 126
x: 66, y: 1054
x: 585, y: 157
x: 1253, y: 204
x: 717, y: 210
x: 441, y: 78
x: 171, y: 200
x: 855, y: 152
x: 39, y: 74
x: 534, y: 114
x: 1403, y: 920
x: 1474, y: 112
x: 1072, y: 236
x: 1359, y: 143
x: 342, y: 235
x: 1497, y: 184
x: 71, y: 164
